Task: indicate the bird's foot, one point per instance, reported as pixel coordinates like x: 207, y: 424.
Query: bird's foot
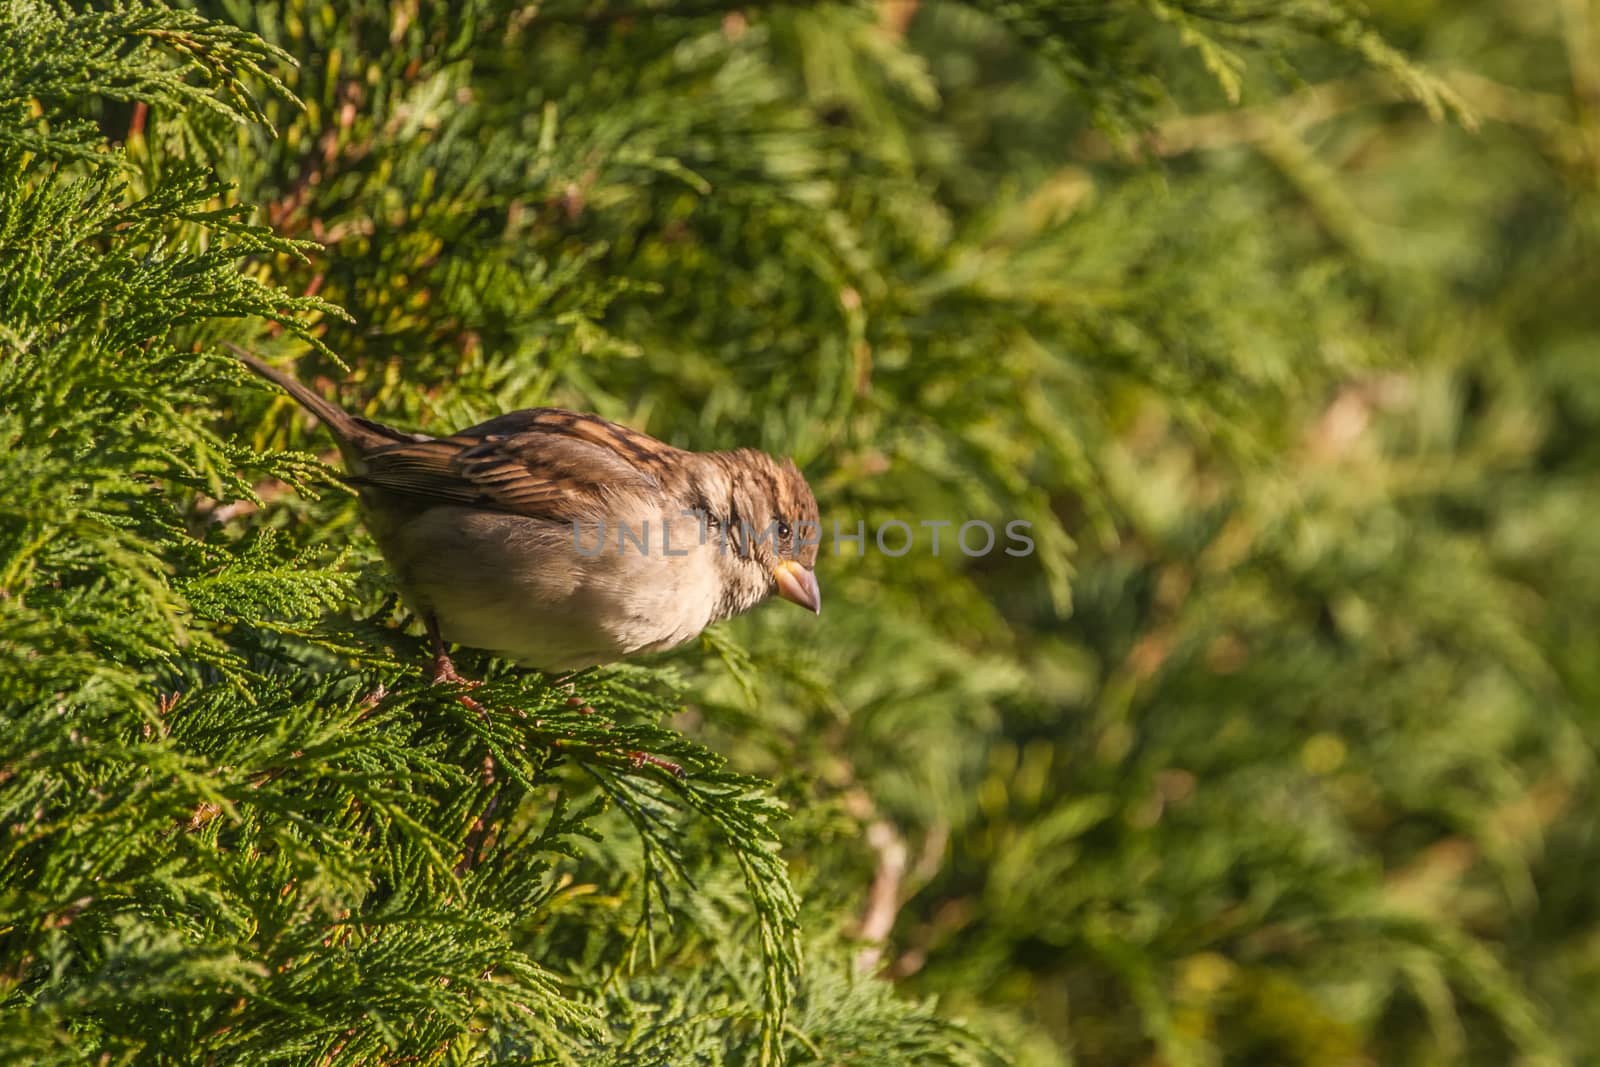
x: 642, y: 759
x: 445, y: 673
x: 636, y: 759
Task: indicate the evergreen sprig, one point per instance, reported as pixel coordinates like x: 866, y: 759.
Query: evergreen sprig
x: 58, y: 59
x: 1277, y: 746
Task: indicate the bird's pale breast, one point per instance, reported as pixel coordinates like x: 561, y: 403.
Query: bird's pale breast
x: 548, y: 595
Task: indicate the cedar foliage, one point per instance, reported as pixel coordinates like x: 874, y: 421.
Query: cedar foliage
x: 1270, y: 319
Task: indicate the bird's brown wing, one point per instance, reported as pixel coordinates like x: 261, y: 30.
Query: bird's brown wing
x: 544, y: 462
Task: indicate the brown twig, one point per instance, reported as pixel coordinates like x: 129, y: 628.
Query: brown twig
x: 883, y: 898
x: 478, y: 838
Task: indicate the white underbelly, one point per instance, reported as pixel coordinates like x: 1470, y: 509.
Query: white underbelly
x: 520, y: 587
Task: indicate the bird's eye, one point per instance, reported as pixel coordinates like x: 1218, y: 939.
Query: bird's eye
x: 783, y: 529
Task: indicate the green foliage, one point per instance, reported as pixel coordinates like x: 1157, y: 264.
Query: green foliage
x: 1271, y: 320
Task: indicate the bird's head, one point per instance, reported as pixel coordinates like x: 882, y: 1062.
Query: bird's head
x: 769, y: 525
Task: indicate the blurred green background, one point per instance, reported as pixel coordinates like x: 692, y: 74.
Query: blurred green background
x: 1277, y: 322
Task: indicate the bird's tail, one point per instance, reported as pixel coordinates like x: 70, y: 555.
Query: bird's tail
x: 352, y: 431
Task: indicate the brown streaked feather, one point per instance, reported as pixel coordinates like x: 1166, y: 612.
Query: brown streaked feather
x: 354, y: 433
x: 544, y: 462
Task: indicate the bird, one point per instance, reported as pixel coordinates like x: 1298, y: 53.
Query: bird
x: 561, y: 540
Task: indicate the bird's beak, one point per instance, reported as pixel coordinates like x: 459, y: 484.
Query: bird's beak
x: 798, y: 584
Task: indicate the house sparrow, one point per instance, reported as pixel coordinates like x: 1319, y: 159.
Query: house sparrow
x: 561, y: 540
